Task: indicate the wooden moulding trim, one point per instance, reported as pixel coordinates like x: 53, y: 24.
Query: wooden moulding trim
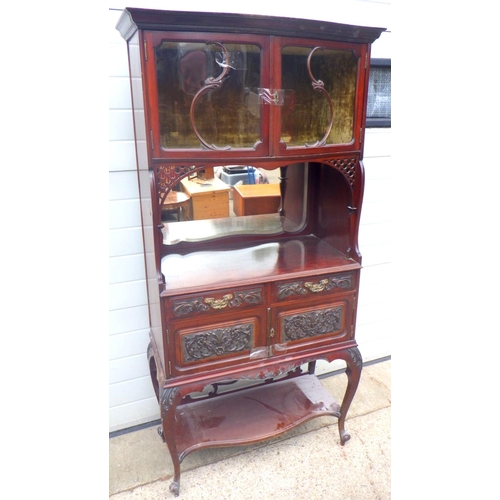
x: 133, y: 19
x: 265, y: 369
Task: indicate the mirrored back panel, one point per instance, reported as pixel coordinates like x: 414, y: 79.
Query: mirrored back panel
x: 236, y: 200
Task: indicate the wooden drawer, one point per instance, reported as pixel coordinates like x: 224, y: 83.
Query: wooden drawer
x: 309, y: 327
x: 315, y: 286
x: 219, y: 301
x: 218, y: 344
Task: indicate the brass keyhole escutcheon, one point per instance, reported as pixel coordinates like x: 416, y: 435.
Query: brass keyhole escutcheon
x: 271, y: 332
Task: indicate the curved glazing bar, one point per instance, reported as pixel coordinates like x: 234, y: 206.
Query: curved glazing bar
x: 211, y: 83
x: 309, y: 75
x: 319, y: 86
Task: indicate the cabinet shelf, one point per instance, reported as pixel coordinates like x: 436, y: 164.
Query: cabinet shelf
x: 252, y: 263
x: 268, y: 410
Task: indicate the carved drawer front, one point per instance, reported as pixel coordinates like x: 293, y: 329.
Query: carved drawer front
x: 320, y: 324
x: 315, y: 286
x: 218, y: 344
x: 217, y: 301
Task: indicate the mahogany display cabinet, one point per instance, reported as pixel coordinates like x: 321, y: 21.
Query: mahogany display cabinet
x: 242, y: 307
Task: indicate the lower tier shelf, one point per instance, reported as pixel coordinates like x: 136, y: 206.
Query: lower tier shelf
x: 251, y: 415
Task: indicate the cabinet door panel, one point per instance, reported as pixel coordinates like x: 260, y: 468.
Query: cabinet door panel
x: 204, y: 94
x: 218, y: 344
x: 309, y: 327
x: 321, y: 93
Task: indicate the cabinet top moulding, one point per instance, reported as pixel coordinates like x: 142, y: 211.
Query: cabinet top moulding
x: 133, y: 19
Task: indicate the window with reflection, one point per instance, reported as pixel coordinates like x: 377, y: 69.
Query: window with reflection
x: 205, y: 206
x: 322, y: 113
x: 207, y: 94
x: 378, y: 113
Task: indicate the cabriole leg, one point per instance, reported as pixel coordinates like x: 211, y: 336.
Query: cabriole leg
x: 170, y: 398
x: 354, y: 364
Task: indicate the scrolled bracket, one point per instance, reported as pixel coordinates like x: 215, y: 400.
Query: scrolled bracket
x: 319, y: 86
x: 355, y: 356
x: 167, y: 398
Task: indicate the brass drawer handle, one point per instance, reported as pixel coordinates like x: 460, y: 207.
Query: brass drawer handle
x: 316, y: 287
x: 219, y: 303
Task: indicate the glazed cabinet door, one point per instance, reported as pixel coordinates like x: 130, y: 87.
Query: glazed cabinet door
x: 203, y: 94
x: 321, y: 95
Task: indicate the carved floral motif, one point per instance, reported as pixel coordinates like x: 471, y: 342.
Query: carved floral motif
x: 301, y: 288
x: 168, y: 395
x: 189, y: 306
x: 199, y: 304
x: 313, y: 323
x: 355, y: 356
x: 217, y: 342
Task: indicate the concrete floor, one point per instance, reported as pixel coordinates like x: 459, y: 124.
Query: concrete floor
x: 308, y: 462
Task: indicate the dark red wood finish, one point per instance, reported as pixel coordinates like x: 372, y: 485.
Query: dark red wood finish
x: 252, y: 308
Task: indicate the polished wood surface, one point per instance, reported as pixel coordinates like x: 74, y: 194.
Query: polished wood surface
x: 252, y: 263
x: 269, y: 410
x: 258, y: 306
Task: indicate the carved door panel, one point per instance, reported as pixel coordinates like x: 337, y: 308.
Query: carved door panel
x: 318, y: 324
x: 218, y: 341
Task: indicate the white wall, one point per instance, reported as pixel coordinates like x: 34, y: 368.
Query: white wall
x: 131, y: 396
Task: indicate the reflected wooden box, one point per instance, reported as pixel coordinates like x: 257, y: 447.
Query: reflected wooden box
x: 256, y: 199
x: 209, y: 198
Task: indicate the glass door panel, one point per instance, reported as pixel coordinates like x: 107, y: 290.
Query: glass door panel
x: 208, y: 95
x: 319, y: 95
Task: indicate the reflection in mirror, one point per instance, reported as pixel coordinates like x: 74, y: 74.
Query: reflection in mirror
x: 236, y: 200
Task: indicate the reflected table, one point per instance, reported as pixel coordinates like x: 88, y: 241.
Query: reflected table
x: 176, y: 202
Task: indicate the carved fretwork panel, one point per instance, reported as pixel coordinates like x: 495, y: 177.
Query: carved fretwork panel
x: 167, y: 176
x: 217, y: 342
x: 311, y: 324
x: 347, y: 166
